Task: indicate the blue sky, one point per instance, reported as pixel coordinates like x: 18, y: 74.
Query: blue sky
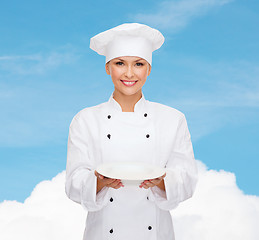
x: 207, y: 68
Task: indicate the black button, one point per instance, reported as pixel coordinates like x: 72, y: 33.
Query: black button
x: 145, y: 115
x: 147, y: 198
x: 149, y: 227
x: 109, y: 136
x: 109, y: 116
x: 111, y: 199
x: 147, y: 135
x: 111, y: 231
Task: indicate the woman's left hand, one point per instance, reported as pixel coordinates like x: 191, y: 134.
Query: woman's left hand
x: 152, y: 182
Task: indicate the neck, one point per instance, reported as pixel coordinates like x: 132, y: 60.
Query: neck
x: 127, y: 102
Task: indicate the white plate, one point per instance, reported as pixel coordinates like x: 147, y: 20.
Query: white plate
x: 129, y: 170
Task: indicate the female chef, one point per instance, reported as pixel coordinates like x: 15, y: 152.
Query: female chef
x: 129, y: 128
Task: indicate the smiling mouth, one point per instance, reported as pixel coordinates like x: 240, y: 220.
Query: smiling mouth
x: 128, y: 83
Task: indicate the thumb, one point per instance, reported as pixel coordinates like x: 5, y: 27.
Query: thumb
x: 162, y: 177
x: 98, y: 175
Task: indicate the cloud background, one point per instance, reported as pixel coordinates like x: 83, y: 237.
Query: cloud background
x: 207, y: 68
x: 218, y: 210
x: 175, y: 15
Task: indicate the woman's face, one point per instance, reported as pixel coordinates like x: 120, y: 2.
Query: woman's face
x: 128, y: 73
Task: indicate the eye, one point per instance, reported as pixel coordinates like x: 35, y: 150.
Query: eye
x: 139, y: 64
x: 119, y: 63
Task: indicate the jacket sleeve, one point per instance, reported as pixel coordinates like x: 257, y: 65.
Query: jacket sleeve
x: 181, y: 171
x: 81, y: 181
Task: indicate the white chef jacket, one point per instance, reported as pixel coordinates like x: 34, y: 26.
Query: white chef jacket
x: 153, y: 133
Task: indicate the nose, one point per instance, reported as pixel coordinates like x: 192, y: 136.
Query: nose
x: 129, y: 72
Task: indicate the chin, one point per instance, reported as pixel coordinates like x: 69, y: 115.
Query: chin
x: 128, y: 93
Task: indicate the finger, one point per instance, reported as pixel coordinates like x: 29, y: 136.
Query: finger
x: 147, y: 184
x: 109, y: 181
x: 144, y: 183
x: 113, y: 183
x: 119, y: 185
x: 155, y: 181
x: 162, y: 177
x: 101, y: 176
x: 115, y: 186
x: 150, y: 184
x: 98, y: 175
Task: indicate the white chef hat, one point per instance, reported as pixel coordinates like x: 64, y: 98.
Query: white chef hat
x: 128, y: 39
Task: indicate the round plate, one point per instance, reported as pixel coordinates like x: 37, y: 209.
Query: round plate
x: 130, y: 170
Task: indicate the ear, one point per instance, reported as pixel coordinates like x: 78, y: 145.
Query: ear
x: 107, y: 68
x: 149, y: 70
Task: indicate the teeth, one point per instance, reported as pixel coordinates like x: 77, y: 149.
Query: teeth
x: 129, y: 83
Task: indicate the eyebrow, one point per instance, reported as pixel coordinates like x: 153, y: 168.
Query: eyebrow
x: 135, y: 60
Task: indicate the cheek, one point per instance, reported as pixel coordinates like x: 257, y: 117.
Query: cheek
x: 143, y: 74
x: 115, y: 73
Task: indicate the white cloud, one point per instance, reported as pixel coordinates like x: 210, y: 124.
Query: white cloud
x: 37, y: 63
x: 46, y: 214
x: 218, y: 210
x: 175, y: 15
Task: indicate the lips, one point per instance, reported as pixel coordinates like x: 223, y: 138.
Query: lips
x: 128, y: 83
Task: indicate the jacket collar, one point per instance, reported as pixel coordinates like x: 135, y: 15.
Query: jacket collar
x: 139, y: 106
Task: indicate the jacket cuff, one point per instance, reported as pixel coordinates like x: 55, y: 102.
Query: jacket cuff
x: 168, y: 199
x: 158, y: 193
x: 91, y: 200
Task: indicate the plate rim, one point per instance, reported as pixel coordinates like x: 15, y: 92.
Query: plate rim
x: 104, y: 164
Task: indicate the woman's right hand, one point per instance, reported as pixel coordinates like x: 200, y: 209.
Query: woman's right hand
x: 108, y: 182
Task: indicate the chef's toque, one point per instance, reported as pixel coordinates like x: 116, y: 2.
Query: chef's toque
x: 128, y: 39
